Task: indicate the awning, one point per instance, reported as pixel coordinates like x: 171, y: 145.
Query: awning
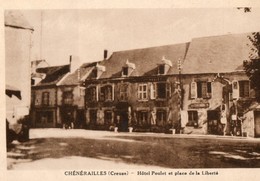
x: 10, y: 91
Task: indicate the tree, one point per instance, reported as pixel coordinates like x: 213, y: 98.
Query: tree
x: 252, y: 66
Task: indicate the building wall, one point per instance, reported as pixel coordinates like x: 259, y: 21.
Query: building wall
x: 201, y: 105
x: 78, y: 97
x: 248, y: 124
x: 214, y: 102
x: 38, y: 96
x: 44, y: 115
x: 117, y: 106
x: 77, y: 103
x: 17, y: 67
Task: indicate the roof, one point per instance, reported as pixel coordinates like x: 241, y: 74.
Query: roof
x: 146, y: 60
x: 53, y: 74
x: 16, y: 19
x: 73, y: 78
x: 217, y: 54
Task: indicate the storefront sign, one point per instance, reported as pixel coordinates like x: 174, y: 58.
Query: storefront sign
x: 198, y: 105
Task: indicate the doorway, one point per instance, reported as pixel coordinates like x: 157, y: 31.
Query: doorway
x: 214, y: 125
x: 257, y: 123
x: 80, y: 119
x: 123, y: 121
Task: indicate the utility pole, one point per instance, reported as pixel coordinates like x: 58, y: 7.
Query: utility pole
x: 180, y: 82
x: 180, y: 95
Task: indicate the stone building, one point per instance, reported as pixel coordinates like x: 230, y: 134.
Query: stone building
x: 135, y: 88
x: 216, y: 88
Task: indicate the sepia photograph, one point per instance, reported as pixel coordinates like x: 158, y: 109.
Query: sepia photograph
x: 141, y: 92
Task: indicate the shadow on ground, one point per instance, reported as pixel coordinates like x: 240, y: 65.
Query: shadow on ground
x: 164, y: 152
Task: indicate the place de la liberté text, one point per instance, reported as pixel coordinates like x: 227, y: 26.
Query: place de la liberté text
x: 141, y: 173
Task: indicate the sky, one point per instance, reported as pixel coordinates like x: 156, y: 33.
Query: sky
x: 86, y: 33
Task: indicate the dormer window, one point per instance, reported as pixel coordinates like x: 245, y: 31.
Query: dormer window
x: 125, y: 71
x: 164, y: 67
x: 128, y: 69
x: 161, y: 69
x: 99, y: 69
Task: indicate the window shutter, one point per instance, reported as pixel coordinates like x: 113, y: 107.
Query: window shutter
x: 97, y: 87
x: 152, y: 91
x: 155, y: 90
x: 113, y: 92
x: 204, y: 90
x: 168, y: 90
x: 193, y: 90
x: 209, y: 89
x: 235, y: 89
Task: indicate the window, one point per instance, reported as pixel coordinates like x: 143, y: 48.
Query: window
x: 67, y: 97
x: 142, y: 92
x: 95, y: 72
x: 200, y: 89
x: 92, y: 94
x: 240, y: 89
x: 161, y: 69
x: 123, y: 92
x: 93, y: 117
x: 82, y: 92
x: 244, y: 88
x: 108, y: 117
x: 163, y: 90
x: 106, y: 93
x: 143, y: 118
x: 125, y: 71
x: 45, y: 98
x: 192, y: 118
x: 160, y: 117
x: 203, y: 89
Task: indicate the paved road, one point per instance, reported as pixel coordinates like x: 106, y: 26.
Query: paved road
x: 71, y: 149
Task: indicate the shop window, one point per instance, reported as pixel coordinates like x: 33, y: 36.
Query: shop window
x: 192, y: 118
x: 160, y: 117
x: 106, y: 93
x: 44, y: 117
x: 92, y: 94
x: 108, y: 117
x: 142, y: 92
x: 68, y: 98
x: 45, y: 98
x: 93, y: 117
x: 143, y: 118
x: 123, y: 92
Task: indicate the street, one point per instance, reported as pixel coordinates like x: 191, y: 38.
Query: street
x: 76, y: 148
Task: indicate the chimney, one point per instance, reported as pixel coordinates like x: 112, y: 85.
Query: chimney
x: 70, y: 62
x: 74, y: 63
x: 105, y: 54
